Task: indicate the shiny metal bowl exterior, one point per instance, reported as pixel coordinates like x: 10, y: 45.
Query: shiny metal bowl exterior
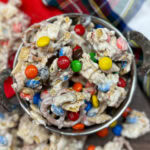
x: 119, y: 111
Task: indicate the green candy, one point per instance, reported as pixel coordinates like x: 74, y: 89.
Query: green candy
x: 92, y: 56
x: 76, y: 65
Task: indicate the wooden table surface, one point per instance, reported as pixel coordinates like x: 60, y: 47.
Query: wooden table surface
x: 141, y: 103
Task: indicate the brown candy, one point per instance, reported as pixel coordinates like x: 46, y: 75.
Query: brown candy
x: 77, y: 54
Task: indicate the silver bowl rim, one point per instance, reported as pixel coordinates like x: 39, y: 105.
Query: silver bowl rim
x: 128, y: 101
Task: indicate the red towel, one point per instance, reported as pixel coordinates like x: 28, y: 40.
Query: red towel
x: 37, y: 12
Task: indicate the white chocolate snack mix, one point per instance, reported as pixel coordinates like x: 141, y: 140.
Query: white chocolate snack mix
x: 118, y: 143
x: 72, y: 73
x: 12, y: 23
x: 136, y: 125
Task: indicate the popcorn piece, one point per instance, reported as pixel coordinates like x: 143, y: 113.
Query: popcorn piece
x: 66, y: 143
x: 30, y: 132
x: 137, y: 124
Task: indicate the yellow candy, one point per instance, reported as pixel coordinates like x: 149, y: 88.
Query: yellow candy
x: 105, y: 63
x: 95, y: 101
x: 43, y: 41
x: 113, y: 124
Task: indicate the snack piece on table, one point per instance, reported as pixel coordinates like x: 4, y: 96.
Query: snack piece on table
x: 66, y: 142
x: 30, y: 132
x: 70, y: 73
x: 136, y: 125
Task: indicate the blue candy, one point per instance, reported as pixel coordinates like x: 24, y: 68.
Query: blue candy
x: 3, y: 140
x: 66, y: 78
x: 89, y: 106
x: 44, y: 73
x: 57, y: 110
x: 2, y: 116
x: 36, y: 99
x: 33, y: 83
x: 123, y: 64
x: 117, y: 130
x: 104, y: 87
x: 98, y: 26
x: 92, y: 112
x: 61, y: 52
x: 131, y: 120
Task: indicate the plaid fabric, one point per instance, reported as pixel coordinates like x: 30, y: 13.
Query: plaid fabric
x: 117, y: 12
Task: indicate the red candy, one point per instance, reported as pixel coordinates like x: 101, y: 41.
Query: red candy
x: 79, y: 29
x: 122, y: 44
x: 79, y: 126
x: 76, y: 48
x: 31, y: 71
x: 91, y: 147
x: 126, y: 112
x: 73, y: 116
x: 103, y: 132
x: 77, y: 86
x: 63, y: 62
x: 8, y: 90
x: 121, y: 83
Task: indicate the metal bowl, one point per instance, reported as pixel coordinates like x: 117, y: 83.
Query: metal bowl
x: 118, y: 111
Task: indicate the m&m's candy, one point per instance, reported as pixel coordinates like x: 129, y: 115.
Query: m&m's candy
x: 122, y: 82
x: 105, y: 63
x: 95, y: 101
x: 76, y: 65
x: 63, y: 62
x: 117, y: 130
x: 103, y: 133
x: 79, y: 126
x: 91, y: 147
x: 92, y: 56
x: 88, y: 106
x: 31, y: 71
x: 73, y: 116
x: 79, y: 29
x: 43, y: 41
x: 77, y: 86
x: 126, y: 112
x: 57, y: 110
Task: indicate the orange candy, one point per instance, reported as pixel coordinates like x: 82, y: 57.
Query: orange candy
x: 126, y: 112
x: 31, y: 71
x: 103, y: 132
x: 78, y: 126
x: 91, y: 147
x: 77, y: 86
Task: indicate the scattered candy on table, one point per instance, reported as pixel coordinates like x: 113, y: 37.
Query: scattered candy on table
x: 105, y: 63
x: 117, y: 130
x: 79, y: 29
x: 31, y: 71
x: 43, y: 41
x: 113, y: 124
x: 126, y: 112
x: 91, y: 147
x: 63, y: 62
x: 103, y: 132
